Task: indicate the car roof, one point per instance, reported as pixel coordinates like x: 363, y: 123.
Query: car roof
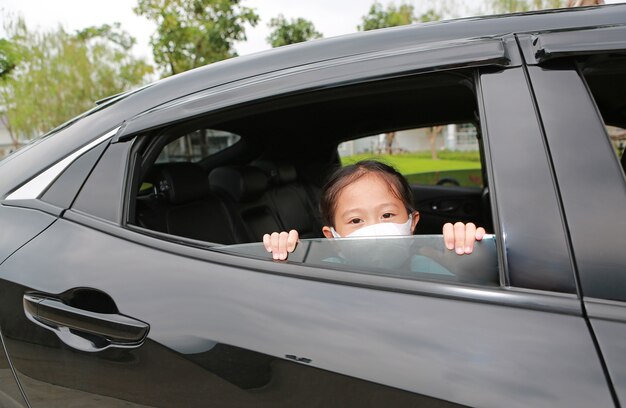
x: 111, y: 114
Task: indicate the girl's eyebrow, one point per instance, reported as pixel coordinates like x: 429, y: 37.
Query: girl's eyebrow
x: 349, y: 211
x: 358, y: 210
x: 389, y: 204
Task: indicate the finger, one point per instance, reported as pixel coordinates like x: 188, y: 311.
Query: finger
x: 459, y: 238
x: 292, y: 241
x: 470, y: 237
x: 448, y: 235
x: 267, y: 242
x: 480, y: 233
x: 282, y: 245
x: 274, y: 241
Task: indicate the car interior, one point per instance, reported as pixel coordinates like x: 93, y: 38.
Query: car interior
x: 271, y: 177
x: 606, y: 78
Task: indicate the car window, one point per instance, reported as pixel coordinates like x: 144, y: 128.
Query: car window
x: 446, y: 154
x: 197, y: 145
x: 288, y: 148
x: 421, y: 257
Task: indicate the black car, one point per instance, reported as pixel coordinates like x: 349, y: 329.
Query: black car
x: 131, y: 268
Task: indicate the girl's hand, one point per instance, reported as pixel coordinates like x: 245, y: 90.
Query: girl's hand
x: 461, y: 237
x: 280, y: 243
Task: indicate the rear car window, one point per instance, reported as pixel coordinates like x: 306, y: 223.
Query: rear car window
x: 274, y: 181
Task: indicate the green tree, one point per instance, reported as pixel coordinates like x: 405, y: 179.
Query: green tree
x: 291, y: 32
x: 9, y: 56
x: 193, y: 33
x: 513, y: 6
x: 59, y: 75
x: 392, y: 16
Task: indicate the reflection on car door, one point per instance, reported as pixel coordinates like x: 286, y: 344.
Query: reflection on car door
x: 10, y: 394
x: 229, y: 336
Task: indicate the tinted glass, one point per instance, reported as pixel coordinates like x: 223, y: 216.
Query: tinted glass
x: 196, y: 145
x: 101, y: 195
x: 62, y: 192
x: 417, y: 257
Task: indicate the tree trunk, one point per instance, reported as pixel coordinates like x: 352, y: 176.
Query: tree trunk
x: 15, y: 142
x: 432, y: 137
x: 389, y: 138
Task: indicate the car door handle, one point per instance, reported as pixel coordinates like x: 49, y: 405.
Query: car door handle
x: 82, y: 329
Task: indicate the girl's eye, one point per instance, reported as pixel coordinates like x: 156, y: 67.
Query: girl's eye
x: 355, y: 221
x: 387, y: 215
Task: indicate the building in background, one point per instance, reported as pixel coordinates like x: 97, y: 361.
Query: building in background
x: 454, y: 137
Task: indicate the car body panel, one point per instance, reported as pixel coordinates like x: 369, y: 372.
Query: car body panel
x: 19, y: 226
x: 571, y: 129
x: 375, y: 335
x: 608, y: 320
x: 10, y: 394
x: 511, y: 126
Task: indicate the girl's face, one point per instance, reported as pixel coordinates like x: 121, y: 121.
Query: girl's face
x: 368, y: 201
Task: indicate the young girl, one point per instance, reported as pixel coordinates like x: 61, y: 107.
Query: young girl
x: 370, y: 198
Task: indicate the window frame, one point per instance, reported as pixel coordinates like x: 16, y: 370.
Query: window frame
x: 597, y: 261
x: 152, y: 139
x: 326, y: 74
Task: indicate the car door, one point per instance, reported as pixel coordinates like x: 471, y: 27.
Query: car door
x: 10, y: 393
x: 579, y: 92
x: 97, y: 312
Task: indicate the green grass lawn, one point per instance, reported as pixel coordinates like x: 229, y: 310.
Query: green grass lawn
x: 410, y: 163
x: 420, y: 168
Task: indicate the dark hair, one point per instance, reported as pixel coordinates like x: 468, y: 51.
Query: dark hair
x: 344, y: 176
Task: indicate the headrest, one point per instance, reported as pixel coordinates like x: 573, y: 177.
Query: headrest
x: 242, y: 183
x: 180, y: 182
x: 280, y: 173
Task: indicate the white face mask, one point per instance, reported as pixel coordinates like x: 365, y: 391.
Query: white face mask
x: 384, y: 229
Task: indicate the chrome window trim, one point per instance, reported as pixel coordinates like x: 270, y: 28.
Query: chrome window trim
x: 37, y: 185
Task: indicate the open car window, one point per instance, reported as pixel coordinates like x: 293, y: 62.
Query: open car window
x: 283, y: 153
x: 423, y: 257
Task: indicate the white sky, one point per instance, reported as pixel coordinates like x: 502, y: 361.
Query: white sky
x: 331, y: 17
